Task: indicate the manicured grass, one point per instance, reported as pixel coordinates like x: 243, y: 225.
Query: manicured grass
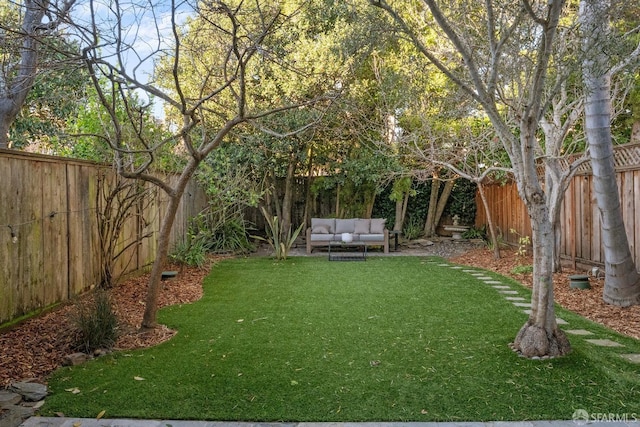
x: 392, y: 338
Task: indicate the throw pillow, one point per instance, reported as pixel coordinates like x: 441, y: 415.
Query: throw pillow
x: 345, y: 225
x: 320, y: 229
x: 377, y: 225
x: 362, y: 226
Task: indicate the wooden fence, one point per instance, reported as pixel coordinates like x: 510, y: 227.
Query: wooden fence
x: 49, y: 240
x: 581, y: 242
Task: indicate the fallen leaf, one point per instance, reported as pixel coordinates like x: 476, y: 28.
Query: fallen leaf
x: 424, y: 412
x: 294, y: 382
x: 74, y: 390
x: 240, y: 320
x: 138, y: 378
x: 100, y: 414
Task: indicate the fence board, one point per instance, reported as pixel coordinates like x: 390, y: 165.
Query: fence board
x: 51, y: 205
x: 55, y: 232
x: 581, y: 233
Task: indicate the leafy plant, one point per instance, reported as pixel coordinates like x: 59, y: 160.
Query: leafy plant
x: 522, y: 269
x: 279, y: 240
x: 413, y: 228
x: 524, y: 242
x: 476, y: 233
x: 192, y: 251
x: 97, y: 323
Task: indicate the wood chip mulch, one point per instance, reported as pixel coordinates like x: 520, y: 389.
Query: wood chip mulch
x: 586, y: 302
x: 36, y: 347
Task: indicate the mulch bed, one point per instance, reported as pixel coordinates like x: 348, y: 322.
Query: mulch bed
x: 36, y: 347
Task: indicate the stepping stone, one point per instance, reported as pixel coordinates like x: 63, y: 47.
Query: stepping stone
x: 484, y: 278
x: 456, y: 267
x: 560, y: 321
x: 526, y: 311
x: 578, y: 332
x: 605, y: 343
x: 493, y: 282
x: 633, y: 358
x: 509, y: 292
x: 443, y: 265
x: 514, y: 298
x: 522, y: 304
x: 501, y: 287
x: 469, y: 271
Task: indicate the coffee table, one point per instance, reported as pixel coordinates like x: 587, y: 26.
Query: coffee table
x: 343, y: 253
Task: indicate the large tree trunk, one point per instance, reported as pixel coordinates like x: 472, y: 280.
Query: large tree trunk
x: 540, y: 335
x: 622, y: 282
x: 15, y: 90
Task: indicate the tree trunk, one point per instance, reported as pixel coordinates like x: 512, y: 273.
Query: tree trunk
x: 622, y: 282
x: 540, y: 335
x: 149, y: 319
x: 442, y: 201
x: 430, y: 226
x: 397, y: 225
x: 287, y: 197
x: 492, y: 228
x: 15, y: 90
x: 307, y: 190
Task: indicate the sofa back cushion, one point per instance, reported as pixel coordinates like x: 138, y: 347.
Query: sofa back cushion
x: 362, y: 226
x: 377, y: 225
x: 323, y: 225
x: 345, y: 225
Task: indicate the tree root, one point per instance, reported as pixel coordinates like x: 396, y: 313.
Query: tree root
x: 535, y: 342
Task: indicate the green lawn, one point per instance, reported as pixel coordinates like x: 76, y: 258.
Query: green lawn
x: 392, y: 338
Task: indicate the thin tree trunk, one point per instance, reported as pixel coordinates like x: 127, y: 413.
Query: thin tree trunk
x: 429, y: 226
x: 405, y: 204
x: 442, y: 201
x: 287, y: 198
x: 397, y: 225
x: 622, y: 282
x: 492, y: 228
x: 149, y: 319
x: 307, y: 190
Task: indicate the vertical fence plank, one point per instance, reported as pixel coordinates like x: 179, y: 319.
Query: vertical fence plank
x: 627, y: 204
x: 55, y: 210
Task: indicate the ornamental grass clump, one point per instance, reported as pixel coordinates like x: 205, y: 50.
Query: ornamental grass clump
x: 96, y: 323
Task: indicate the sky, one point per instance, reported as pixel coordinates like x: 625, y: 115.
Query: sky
x: 146, y: 30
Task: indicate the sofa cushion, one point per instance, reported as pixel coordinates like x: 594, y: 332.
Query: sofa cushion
x: 362, y: 226
x: 372, y: 238
x: 321, y: 237
x: 345, y: 225
x: 377, y: 226
x: 329, y: 222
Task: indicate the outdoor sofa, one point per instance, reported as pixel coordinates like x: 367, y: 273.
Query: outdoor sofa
x: 371, y: 232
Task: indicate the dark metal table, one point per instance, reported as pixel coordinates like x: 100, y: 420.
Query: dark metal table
x: 344, y: 255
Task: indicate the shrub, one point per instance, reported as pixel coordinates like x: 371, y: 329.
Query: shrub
x: 96, y: 323
x: 192, y: 252
x: 413, y: 228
